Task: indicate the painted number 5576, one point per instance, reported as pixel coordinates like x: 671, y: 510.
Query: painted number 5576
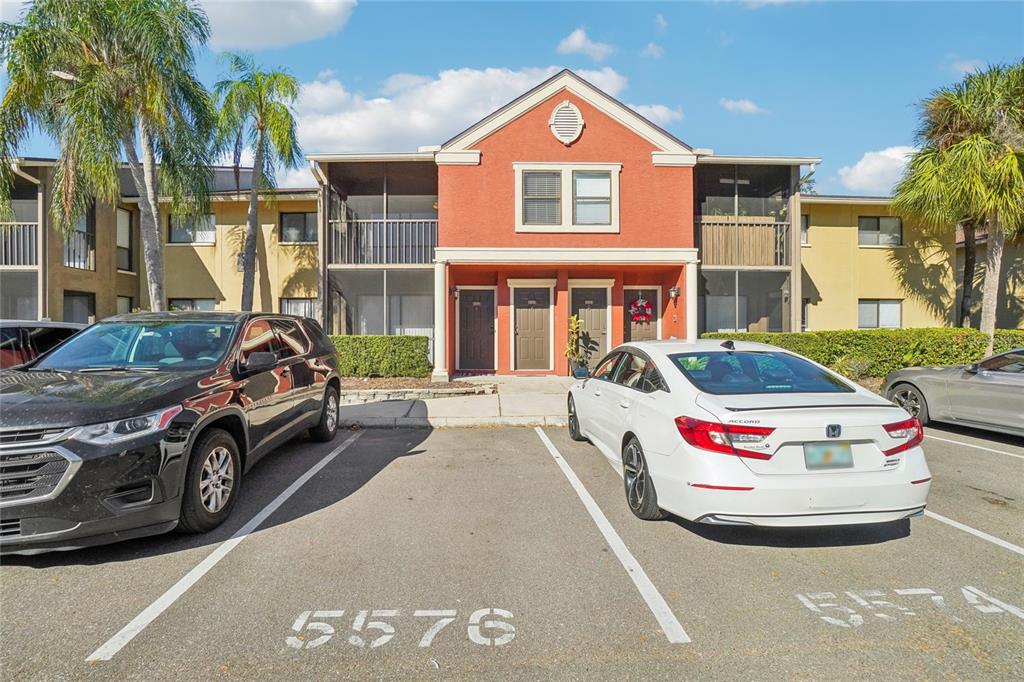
x: 372, y: 628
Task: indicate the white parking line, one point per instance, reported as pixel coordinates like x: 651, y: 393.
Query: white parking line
x: 151, y: 612
x: 972, y: 445
x: 674, y: 632
x: 974, y: 531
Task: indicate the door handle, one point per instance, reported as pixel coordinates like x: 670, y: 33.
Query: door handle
x: 624, y: 404
x: 597, y: 392
x: 285, y: 372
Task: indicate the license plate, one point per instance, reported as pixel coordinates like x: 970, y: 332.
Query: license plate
x: 837, y: 455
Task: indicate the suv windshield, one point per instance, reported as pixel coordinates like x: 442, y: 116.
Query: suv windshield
x: 173, y: 345
x: 755, y: 372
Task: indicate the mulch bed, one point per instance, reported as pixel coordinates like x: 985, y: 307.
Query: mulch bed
x: 871, y: 383
x: 376, y: 383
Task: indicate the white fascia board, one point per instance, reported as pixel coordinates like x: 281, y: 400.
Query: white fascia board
x: 462, y: 157
x: 370, y: 157
x: 589, y: 94
x: 566, y: 256
x: 673, y: 159
x: 846, y: 201
x: 761, y: 160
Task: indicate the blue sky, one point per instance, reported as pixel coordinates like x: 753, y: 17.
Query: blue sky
x: 829, y: 79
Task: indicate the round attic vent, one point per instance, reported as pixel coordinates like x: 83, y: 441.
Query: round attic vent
x: 566, y: 123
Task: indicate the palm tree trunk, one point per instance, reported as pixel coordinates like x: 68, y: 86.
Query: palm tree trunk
x: 967, y: 288
x: 144, y: 176
x: 249, y: 247
x: 993, y: 266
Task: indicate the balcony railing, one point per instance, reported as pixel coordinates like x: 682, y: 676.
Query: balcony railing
x: 18, y: 244
x: 383, y: 242
x: 743, y: 241
x: 80, y: 251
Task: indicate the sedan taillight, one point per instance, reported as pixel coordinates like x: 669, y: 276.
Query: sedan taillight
x: 727, y: 439
x: 910, y: 429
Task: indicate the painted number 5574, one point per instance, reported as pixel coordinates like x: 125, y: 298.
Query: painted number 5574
x: 372, y: 628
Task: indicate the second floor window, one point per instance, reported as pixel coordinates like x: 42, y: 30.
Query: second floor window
x: 542, y: 198
x: 124, y: 241
x: 201, y: 230
x: 592, y: 197
x: 298, y: 228
x: 879, y: 231
x: 554, y: 197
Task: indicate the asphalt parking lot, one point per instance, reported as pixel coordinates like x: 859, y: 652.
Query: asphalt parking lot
x: 470, y: 554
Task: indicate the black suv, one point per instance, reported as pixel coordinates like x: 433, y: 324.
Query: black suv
x: 143, y: 423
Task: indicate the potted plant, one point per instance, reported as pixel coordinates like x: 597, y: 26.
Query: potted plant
x: 576, y: 349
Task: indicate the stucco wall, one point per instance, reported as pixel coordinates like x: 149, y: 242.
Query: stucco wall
x: 210, y: 271
x: 1010, y: 308
x: 837, y: 271
x: 476, y: 204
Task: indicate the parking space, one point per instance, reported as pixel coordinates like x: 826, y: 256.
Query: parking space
x: 467, y: 553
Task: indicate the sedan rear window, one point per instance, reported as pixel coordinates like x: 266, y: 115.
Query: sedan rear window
x: 755, y: 372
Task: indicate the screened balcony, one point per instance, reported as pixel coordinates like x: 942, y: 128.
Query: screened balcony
x: 382, y: 213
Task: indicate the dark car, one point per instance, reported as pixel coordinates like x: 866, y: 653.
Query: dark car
x: 143, y: 423
x: 23, y: 340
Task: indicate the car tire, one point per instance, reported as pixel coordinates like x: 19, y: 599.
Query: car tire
x: 574, y: 423
x: 212, y: 482
x: 910, y: 398
x: 327, y: 427
x: 641, y: 496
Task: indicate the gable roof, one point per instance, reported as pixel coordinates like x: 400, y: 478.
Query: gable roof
x: 567, y: 80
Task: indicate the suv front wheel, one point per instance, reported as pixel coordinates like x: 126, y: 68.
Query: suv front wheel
x: 211, y: 482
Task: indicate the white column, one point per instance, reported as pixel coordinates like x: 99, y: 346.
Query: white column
x: 691, y: 301
x: 440, y: 323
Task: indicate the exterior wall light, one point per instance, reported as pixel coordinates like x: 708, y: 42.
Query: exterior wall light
x: 674, y: 293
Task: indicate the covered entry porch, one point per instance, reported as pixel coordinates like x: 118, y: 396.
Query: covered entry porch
x: 506, y: 311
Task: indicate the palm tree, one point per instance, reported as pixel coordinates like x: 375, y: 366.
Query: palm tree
x: 107, y: 78
x: 255, y: 111
x: 969, y: 172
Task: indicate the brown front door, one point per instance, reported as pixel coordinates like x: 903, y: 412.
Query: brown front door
x: 640, y: 331
x: 590, y: 305
x: 533, y: 328
x: 476, y: 329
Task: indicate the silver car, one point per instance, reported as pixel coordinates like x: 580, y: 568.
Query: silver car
x: 986, y: 395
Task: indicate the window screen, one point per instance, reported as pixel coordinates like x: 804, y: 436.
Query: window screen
x: 592, y: 198
x: 298, y: 227
x: 202, y: 230
x: 124, y: 240
x: 542, y: 198
x: 879, y: 313
x: 879, y: 231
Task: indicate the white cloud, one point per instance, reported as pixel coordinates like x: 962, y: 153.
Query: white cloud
x: 418, y: 110
x: 658, y: 114
x: 962, y: 67
x: 740, y: 106
x: 653, y: 50
x: 296, y: 177
x: 578, y: 42
x: 660, y: 22
x: 402, y: 81
x: 876, y: 172
x: 254, y: 25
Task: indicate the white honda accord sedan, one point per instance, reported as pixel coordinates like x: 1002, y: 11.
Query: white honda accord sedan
x: 748, y: 434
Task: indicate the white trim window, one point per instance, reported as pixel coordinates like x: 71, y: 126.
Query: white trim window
x: 185, y: 230
x: 879, y: 313
x: 879, y: 231
x: 552, y: 197
x: 303, y: 307
x: 191, y: 304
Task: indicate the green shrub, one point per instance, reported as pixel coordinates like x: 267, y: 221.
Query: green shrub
x: 876, y: 352
x: 382, y: 356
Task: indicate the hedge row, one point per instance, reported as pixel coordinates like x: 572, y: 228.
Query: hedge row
x: 383, y: 356
x: 876, y: 352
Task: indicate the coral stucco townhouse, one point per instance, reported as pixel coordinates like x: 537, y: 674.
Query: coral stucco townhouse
x: 563, y: 202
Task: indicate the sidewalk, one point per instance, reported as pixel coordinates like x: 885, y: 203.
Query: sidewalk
x: 520, y: 401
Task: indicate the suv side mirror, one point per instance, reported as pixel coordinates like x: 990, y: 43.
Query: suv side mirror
x: 972, y: 368
x: 260, y: 361
x: 581, y: 373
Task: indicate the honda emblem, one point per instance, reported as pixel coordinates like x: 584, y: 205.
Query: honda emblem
x: 833, y: 430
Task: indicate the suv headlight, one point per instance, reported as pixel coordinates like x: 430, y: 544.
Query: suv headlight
x: 125, y: 429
